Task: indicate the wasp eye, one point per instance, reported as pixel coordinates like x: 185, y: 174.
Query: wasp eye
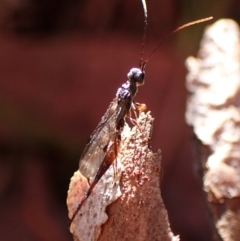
x: 136, y: 75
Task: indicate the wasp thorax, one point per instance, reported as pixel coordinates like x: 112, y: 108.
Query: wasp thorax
x: 136, y: 75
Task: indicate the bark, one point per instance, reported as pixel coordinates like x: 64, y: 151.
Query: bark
x: 135, y: 210
x: 213, y: 111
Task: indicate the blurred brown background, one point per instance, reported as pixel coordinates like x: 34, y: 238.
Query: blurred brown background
x: 61, y: 63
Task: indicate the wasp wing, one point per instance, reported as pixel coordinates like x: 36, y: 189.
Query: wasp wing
x: 99, y: 141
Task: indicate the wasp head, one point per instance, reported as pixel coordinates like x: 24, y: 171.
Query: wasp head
x: 137, y: 76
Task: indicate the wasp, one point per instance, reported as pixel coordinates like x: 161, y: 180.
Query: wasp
x: 104, y: 144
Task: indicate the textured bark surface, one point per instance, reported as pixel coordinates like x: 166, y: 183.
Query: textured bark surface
x: 139, y: 213
x: 213, y: 110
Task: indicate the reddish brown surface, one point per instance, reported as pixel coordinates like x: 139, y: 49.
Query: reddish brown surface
x: 53, y: 92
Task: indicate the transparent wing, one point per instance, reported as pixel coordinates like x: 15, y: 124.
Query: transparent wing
x: 98, y: 144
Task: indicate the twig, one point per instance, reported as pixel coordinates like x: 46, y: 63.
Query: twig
x: 136, y: 211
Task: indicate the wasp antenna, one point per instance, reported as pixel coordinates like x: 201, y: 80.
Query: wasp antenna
x: 143, y: 65
x: 192, y: 23
x: 174, y: 31
x: 144, y: 32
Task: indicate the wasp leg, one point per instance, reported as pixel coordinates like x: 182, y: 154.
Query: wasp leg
x: 117, y: 147
x: 139, y: 106
x: 133, y: 122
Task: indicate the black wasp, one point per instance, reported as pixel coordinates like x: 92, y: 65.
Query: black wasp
x: 103, y: 145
